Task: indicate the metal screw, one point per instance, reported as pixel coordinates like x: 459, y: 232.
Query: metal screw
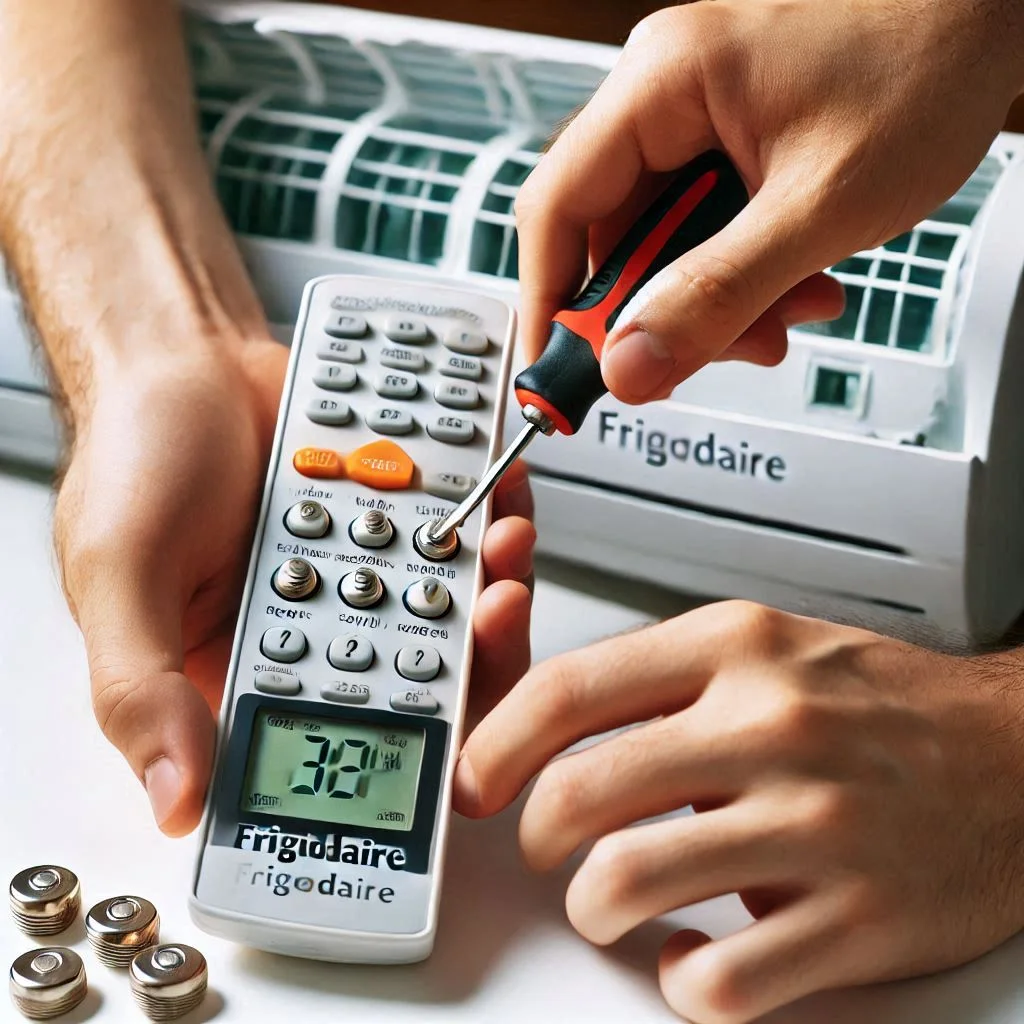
x: 296, y: 579
x: 436, y: 550
x: 376, y: 522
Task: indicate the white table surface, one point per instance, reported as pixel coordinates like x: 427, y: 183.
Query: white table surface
x: 505, y: 951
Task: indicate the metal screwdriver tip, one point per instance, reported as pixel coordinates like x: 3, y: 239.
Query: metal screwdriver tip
x: 537, y: 423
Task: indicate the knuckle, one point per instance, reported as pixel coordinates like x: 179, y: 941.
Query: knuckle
x: 716, y: 993
x: 752, y: 623
x: 559, y: 791
x: 615, y: 867
x: 605, y: 886
x: 113, y: 699
x: 827, y: 810
x: 717, y: 287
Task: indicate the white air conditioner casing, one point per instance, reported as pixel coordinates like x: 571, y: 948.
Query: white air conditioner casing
x: 889, y: 483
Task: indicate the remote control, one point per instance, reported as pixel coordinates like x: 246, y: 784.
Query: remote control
x: 327, y: 815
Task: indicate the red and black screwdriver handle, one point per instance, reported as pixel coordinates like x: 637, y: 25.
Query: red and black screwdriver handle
x: 566, y: 380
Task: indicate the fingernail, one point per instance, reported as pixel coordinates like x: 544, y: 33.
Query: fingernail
x: 163, y: 784
x: 467, y: 796
x: 637, y: 366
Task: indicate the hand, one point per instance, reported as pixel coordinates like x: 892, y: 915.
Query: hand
x: 849, y: 122
x: 863, y: 796
x: 154, y: 523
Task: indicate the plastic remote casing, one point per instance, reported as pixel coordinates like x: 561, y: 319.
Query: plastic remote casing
x: 304, y: 886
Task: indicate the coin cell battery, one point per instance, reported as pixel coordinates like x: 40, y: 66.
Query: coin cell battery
x: 121, y: 926
x: 45, y: 899
x: 48, y: 982
x: 168, y: 981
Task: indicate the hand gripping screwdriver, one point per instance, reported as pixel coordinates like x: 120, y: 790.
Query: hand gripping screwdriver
x: 559, y: 389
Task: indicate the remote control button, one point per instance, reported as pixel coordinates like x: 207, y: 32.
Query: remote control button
x: 283, y: 644
x: 428, y: 598
x: 318, y: 463
x: 295, y: 580
x: 387, y: 420
x: 451, y: 486
x: 307, y: 519
x: 362, y: 588
x: 342, y: 692
x: 464, y: 367
x: 335, y: 377
x: 280, y: 684
x: 407, y: 329
x: 396, y: 385
x: 451, y: 430
x: 420, y: 664
x: 372, y: 529
x: 403, y: 359
x: 466, y: 343
x: 352, y: 653
x: 418, y: 701
x: 381, y: 465
x: 329, y: 412
x: 341, y: 352
x: 345, y: 325
x: 455, y: 395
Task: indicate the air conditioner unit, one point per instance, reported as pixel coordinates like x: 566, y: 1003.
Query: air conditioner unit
x: 876, y: 475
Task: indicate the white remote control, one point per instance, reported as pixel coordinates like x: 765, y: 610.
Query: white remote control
x: 327, y: 816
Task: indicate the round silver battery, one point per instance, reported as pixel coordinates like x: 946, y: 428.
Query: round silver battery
x: 436, y: 551
x: 169, y: 980
x: 296, y: 580
x: 119, y: 927
x: 372, y: 529
x: 307, y: 519
x: 362, y: 588
x: 45, y: 899
x: 48, y: 982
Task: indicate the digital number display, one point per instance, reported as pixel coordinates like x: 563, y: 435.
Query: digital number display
x: 323, y: 769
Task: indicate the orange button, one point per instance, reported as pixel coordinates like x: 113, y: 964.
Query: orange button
x: 320, y: 463
x: 381, y: 465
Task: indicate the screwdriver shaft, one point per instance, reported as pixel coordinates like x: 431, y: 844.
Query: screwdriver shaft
x: 441, y: 528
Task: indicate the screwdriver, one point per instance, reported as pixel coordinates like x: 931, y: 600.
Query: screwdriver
x: 559, y: 389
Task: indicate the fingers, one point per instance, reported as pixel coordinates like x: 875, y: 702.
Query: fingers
x: 640, y: 873
x: 691, y: 312
x: 797, y: 949
x: 592, y: 170
x: 580, y: 694
x: 512, y: 496
x: 644, y: 772
x: 131, y: 622
x: 501, y: 644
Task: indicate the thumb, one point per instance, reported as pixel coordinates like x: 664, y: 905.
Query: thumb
x: 143, y: 702
x: 694, y: 309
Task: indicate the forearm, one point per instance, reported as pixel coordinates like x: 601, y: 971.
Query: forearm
x: 107, y: 216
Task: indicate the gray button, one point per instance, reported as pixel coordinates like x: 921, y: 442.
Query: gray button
x: 420, y: 664
x: 335, y: 377
x: 352, y: 653
x: 396, y: 385
x: 341, y: 351
x: 465, y: 367
x: 345, y: 325
x: 278, y: 683
x: 466, y: 343
x: 407, y: 329
x: 342, y: 692
x: 331, y: 412
x: 456, y: 395
x: 418, y: 701
x: 284, y: 644
x: 388, y: 420
x: 428, y: 598
x: 451, y: 429
x: 452, y: 486
x: 403, y: 359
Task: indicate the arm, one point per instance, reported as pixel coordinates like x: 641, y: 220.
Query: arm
x: 167, y: 376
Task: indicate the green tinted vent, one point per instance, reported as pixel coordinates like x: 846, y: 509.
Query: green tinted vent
x: 900, y: 296
x: 495, y: 249
x: 269, y: 173
x: 399, y: 193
